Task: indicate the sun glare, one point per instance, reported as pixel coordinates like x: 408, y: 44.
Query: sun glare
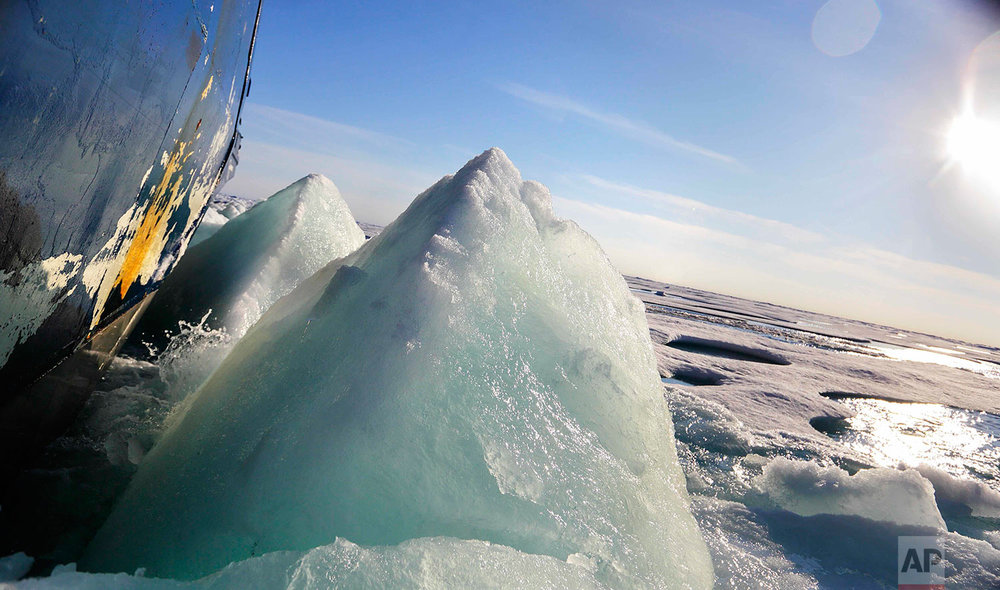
x: 974, y: 143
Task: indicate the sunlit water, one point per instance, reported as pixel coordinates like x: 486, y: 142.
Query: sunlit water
x: 939, y: 356
x: 964, y: 443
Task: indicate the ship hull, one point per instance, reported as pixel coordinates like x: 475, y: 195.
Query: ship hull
x: 117, y: 123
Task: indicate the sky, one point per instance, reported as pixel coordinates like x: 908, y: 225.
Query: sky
x: 798, y: 152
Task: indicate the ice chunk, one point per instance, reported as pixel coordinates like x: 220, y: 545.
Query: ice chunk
x: 253, y: 260
x: 478, y: 371
x: 15, y: 566
x: 63, y: 568
x: 978, y: 497
x: 806, y: 488
x: 211, y: 221
x: 221, y: 208
x: 744, y: 556
x: 421, y: 563
x: 850, y: 552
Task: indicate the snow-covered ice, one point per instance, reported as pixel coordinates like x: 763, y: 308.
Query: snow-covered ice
x: 434, y: 411
x: 433, y: 563
x: 805, y: 488
x: 253, y: 260
x: 220, y: 210
x: 786, y: 394
x: 477, y: 371
x: 764, y: 401
x: 979, y: 498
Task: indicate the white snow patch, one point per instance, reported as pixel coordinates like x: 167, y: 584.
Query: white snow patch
x: 807, y: 488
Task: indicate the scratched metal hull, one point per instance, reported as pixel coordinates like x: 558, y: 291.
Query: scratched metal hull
x: 117, y: 123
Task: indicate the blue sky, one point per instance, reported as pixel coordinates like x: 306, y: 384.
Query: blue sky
x: 723, y: 145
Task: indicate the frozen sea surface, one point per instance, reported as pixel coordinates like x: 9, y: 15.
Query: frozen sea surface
x: 809, y: 444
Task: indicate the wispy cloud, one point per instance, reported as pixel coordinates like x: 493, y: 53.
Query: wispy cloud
x: 707, y: 213
x: 291, y: 128
x: 616, y: 123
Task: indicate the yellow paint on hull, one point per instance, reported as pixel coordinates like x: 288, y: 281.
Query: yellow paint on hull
x: 208, y: 87
x: 164, y: 201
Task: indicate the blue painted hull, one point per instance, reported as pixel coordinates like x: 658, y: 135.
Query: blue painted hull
x: 117, y: 121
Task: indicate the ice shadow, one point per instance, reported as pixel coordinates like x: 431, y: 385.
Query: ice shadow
x: 839, y: 395
x: 853, y: 551
x: 830, y: 425
x: 694, y: 376
x: 727, y: 350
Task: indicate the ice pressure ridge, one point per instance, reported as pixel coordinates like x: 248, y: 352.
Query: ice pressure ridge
x: 477, y: 376
x: 250, y: 262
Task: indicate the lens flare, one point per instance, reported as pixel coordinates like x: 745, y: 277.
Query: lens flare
x: 974, y: 144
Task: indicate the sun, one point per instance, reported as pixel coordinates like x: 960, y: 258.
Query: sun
x: 974, y: 144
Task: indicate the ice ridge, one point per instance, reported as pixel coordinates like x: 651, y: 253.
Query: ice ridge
x: 478, y: 372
